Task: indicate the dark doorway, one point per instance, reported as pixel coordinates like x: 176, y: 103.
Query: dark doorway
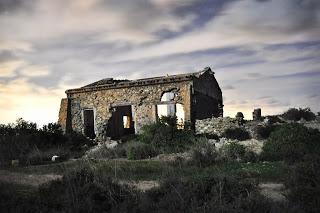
x: 121, y: 123
x: 88, y: 117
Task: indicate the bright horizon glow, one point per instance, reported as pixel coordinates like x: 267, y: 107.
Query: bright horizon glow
x: 265, y: 54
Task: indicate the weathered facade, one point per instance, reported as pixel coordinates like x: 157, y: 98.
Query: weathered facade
x: 113, y: 108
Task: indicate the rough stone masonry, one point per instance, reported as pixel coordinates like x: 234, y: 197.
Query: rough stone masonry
x: 114, y: 108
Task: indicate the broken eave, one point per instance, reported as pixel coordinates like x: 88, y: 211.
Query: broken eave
x: 134, y: 83
x: 141, y: 82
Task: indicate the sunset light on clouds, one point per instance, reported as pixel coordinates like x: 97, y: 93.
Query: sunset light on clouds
x: 265, y: 53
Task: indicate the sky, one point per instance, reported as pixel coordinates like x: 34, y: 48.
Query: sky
x: 265, y: 53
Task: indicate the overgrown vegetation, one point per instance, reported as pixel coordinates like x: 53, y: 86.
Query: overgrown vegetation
x: 298, y: 114
x: 24, y: 142
x: 233, y: 151
x: 88, y: 189
x: 263, y: 132
x: 291, y: 142
x: 82, y: 190
x: 223, y: 179
x: 303, y: 184
x: 236, y: 133
x: 138, y: 150
x: 162, y: 136
x: 204, y: 154
x: 223, y: 194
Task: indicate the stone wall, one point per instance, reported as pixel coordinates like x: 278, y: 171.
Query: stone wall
x: 143, y: 100
x: 63, y: 113
x: 208, y: 97
x: 215, y: 126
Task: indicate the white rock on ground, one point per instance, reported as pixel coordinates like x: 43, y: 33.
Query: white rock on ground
x: 54, y: 158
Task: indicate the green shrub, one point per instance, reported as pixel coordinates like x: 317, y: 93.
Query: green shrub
x: 204, y: 154
x: 250, y: 156
x: 303, y: 184
x: 291, y: 142
x: 82, y: 190
x: 233, y: 151
x: 14, y: 199
x: 138, y: 150
x: 103, y: 152
x: 274, y: 119
x: 236, y: 133
x: 298, y: 114
x: 209, y: 136
x: 218, y: 194
x: 263, y: 132
x: 76, y: 140
x: 156, y: 133
x: 171, y: 121
x: 165, y: 137
x: 20, y: 140
x: 120, y: 151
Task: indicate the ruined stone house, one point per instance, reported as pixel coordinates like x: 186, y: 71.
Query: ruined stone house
x: 114, y: 108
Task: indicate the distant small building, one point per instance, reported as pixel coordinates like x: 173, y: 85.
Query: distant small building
x: 113, y: 108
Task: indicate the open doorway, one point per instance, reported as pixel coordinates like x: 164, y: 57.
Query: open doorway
x: 88, y: 121
x: 121, y: 123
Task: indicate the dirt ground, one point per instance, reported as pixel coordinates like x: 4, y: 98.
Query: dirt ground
x: 26, y: 179
x: 273, y: 191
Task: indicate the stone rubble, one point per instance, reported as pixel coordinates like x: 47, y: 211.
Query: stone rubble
x: 215, y: 126
x: 108, y: 143
x: 251, y: 144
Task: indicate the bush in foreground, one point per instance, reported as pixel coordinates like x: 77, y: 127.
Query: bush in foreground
x: 233, y: 151
x: 23, y: 141
x: 291, y: 142
x: 303, y: 184
x: 236, y: 134
x: 204, y: 154
x: 165, y: 137
x: 90, y: 189
x: 138, y: 150
x: 84, y: 191
x: 218, y: 194
x: 263, y: 132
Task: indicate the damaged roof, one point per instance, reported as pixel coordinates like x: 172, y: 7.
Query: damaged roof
x: 109, y: 83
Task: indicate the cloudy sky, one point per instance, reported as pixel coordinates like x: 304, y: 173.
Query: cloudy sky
x: 265, y: 53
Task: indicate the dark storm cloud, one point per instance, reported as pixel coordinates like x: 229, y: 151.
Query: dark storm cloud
x: 6, y: 55
x: 314, y: 96
x: 142, y: 14
x: 9, y: 6
x: 301, y: 15
x: 206, y: 10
